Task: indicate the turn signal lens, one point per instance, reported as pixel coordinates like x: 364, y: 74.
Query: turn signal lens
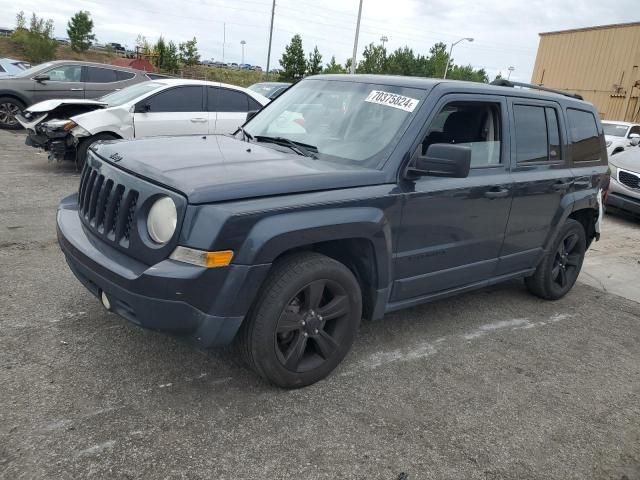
x: 70, y: 125
x: 202, y: 258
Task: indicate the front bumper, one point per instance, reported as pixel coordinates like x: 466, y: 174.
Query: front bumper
x: 205, y: 305
x: 622, y: 198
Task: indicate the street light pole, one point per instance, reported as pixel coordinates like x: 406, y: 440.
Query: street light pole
x: 243, y: 43
x: 446, y: 69
x: 511, y: 69
x: 384, y: 39
x: 355, y: 41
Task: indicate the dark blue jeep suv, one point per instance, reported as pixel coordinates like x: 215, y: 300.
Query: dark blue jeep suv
x: 348, y: 197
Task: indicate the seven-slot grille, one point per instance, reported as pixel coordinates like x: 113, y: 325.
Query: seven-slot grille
x: 107, y: 207
x: 629, y: 179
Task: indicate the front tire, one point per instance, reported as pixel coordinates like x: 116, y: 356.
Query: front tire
x: 304, y: 320
x: 559, y: 269
x: 86, y: 143
x: 9, y: 108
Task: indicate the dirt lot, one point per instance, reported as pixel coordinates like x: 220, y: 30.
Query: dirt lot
x: 490, y: 385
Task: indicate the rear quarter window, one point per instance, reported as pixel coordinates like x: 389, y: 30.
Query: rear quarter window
x: 584, y: 136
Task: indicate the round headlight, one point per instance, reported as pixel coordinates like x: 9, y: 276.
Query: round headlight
x: 162, y: 220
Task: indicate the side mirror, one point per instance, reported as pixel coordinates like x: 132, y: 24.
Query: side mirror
x: 41, y: 77
x: 142, y: 108
x: 251, y: 114
x: 442, y: 160
x: 634, y: 139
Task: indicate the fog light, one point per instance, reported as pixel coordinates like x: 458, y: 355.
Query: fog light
x: 105, y: 301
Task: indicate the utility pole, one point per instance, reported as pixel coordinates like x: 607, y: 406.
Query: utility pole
x: 384, y: 39
x: 243, y: 43
x: 273, y: 11
x: 224, y: 38
x: 355, y: 41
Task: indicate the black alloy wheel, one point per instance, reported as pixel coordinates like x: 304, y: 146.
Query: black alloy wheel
x: 304, y: 320
x: 558, y: 271
x: 312, y: 326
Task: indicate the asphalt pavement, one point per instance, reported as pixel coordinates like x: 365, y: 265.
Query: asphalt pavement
x: 495, y: 384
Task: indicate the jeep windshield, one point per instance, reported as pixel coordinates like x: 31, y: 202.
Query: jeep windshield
x: 615, y: 129
x: 341, y: 121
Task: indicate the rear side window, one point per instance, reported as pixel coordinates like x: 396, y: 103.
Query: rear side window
x: 225, y: 100
x: 585, y: 139
x: 537, y: 134
x: 2, y: 69
x: 179, y: 99
x: 124, y: 75
x: 253, y: 105
x: 101, y: 75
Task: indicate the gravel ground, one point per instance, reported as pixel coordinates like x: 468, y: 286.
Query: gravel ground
x: 495, y: 384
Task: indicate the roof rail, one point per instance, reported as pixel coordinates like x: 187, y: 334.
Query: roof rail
x: 501, y: 82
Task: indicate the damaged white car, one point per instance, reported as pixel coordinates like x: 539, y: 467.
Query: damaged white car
x: 66, y: 128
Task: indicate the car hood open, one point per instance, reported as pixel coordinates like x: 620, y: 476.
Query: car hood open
x: 217, y: 168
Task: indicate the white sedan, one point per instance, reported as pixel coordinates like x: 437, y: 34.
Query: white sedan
x: 148, y: 109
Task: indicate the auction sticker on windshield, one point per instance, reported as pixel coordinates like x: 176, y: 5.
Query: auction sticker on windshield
x: 407, y: 104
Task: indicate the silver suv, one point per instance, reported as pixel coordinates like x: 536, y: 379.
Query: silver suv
x: 60, y: 79
x: 624, y: 189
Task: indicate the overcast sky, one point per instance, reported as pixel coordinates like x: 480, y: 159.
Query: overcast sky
x: 505, y: 31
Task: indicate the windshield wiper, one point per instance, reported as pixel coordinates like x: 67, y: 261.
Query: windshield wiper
x: 300, y: 148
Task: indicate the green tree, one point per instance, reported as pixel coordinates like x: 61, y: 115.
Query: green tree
x: 171, y: 60
x: 36, y: 41
x: 79, y: 30
x: 403, y: 61
x: 347, y: 65
x: 160, y: 53
x: 333, y: 66
x: 314, y: 65
x: 438, y: 60
x: 374, y: 59
x: 189, y: 52
x: 293, y: 61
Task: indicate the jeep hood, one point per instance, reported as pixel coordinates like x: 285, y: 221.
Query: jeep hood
x: 216, y: 168
x: 49, y: 105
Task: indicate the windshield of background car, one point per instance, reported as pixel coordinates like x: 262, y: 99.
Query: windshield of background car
x: 264, y: 89
x: 130, y: 93
x: 348, y: 122
x: 33, y: 70
x: 615, y: 129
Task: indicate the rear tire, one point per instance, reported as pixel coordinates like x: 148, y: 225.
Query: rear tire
x: 9, y: 108
x: 85, y: 144
x: 304, y: 320
x: 559, y: 269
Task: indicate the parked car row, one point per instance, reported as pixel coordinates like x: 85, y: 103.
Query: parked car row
x: 61, y: 79
x: 241, y: 66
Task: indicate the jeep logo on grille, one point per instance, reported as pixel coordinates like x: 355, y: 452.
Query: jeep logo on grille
x: 116, y: 157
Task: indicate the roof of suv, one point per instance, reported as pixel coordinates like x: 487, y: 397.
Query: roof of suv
x: 429, y: 83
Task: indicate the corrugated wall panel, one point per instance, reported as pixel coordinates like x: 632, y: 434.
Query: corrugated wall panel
x: 591, y: 62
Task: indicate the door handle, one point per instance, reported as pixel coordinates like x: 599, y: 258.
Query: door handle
x: 497, y: 192
x: 77, y: 89
x: 198, y: 120
x: 561, y: 186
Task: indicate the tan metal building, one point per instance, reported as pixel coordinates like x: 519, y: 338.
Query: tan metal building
x: 600, y: 63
